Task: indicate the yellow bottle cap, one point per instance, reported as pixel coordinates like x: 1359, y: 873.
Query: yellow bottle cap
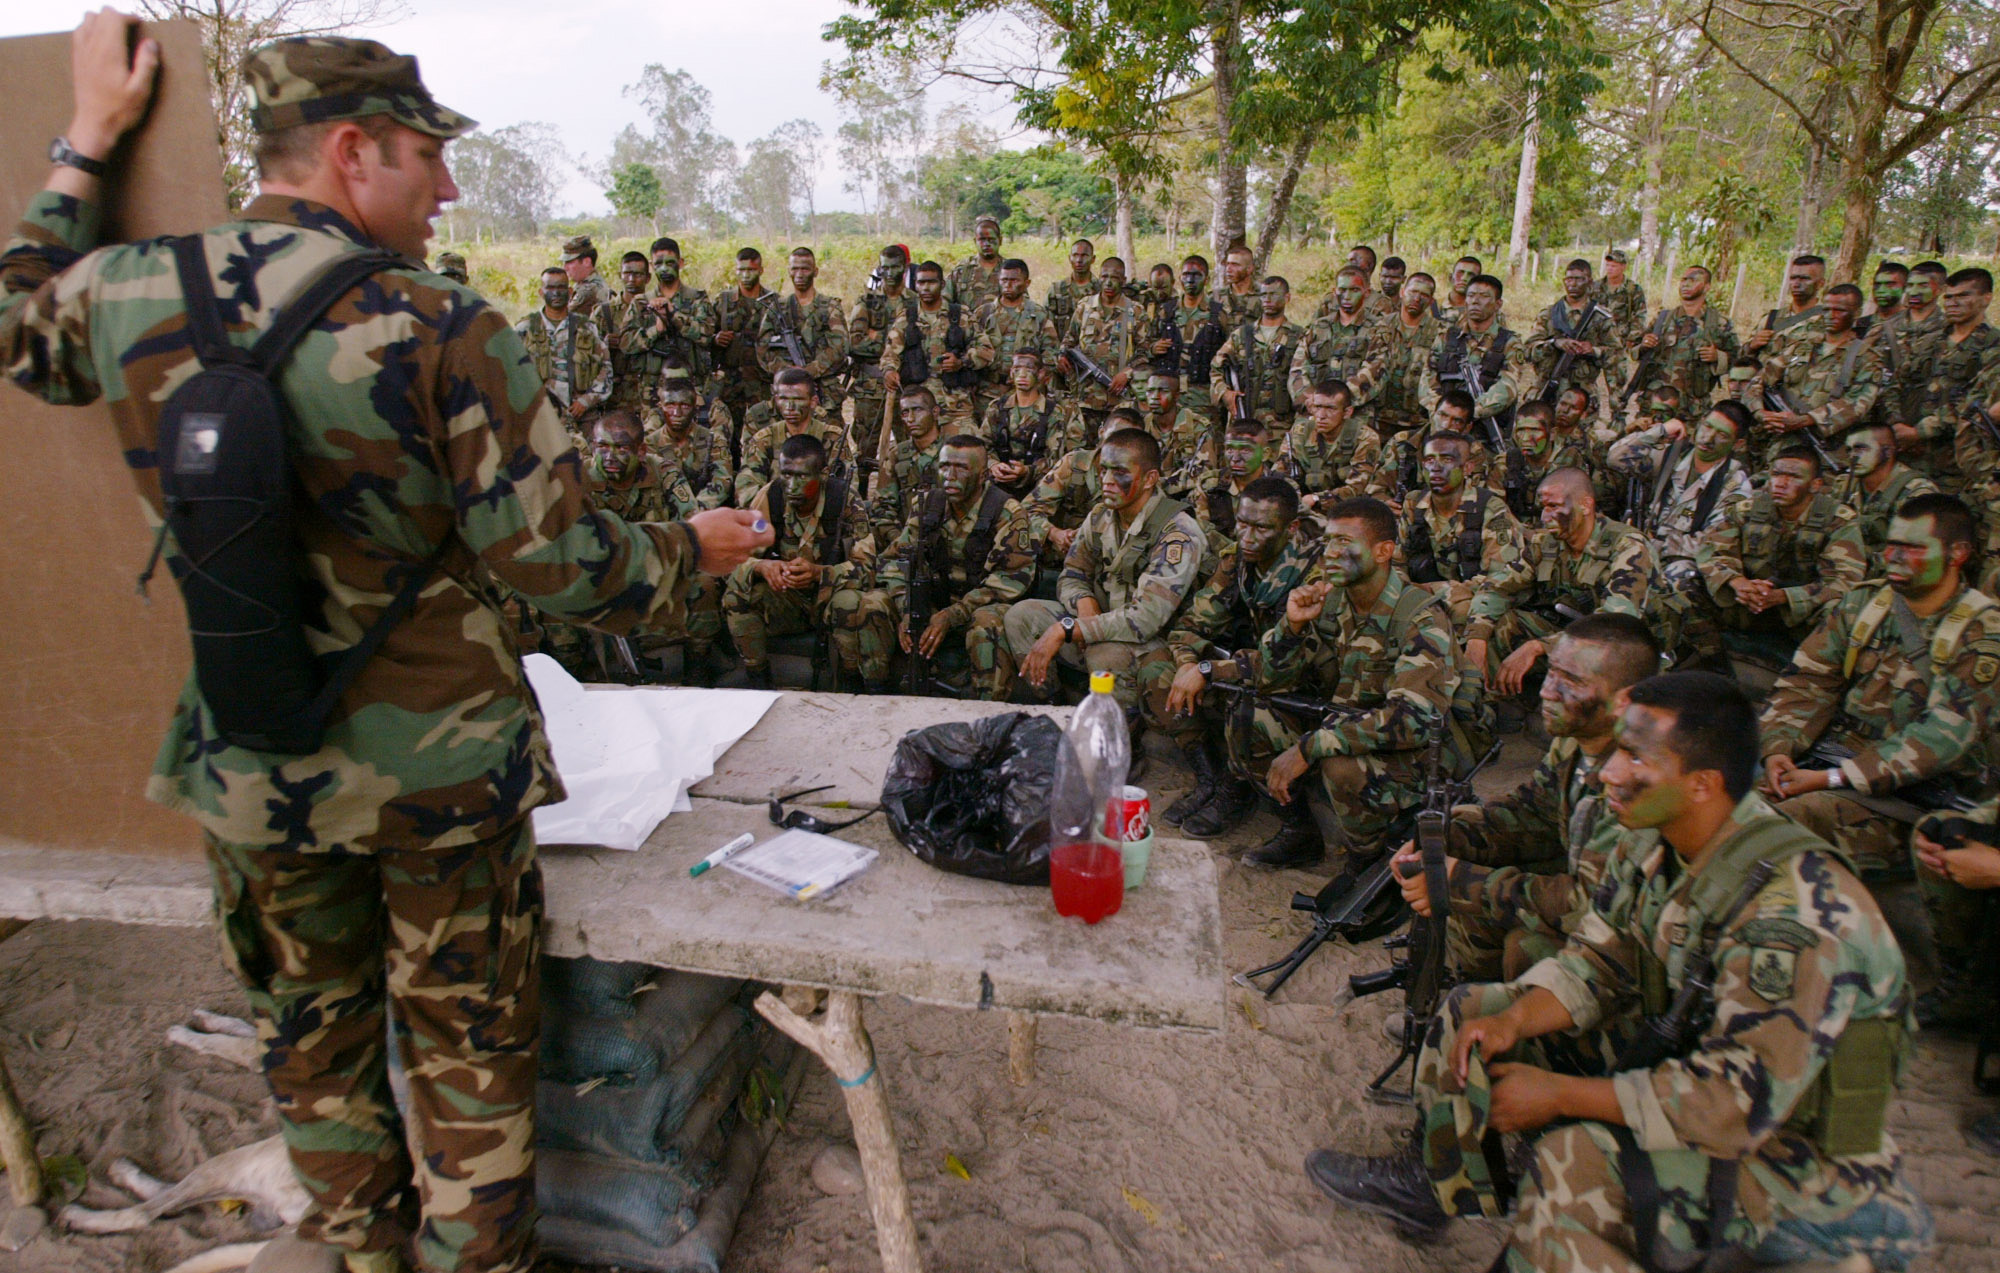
x: 1101, y: 682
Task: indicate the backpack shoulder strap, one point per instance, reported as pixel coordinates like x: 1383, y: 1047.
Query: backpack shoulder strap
x: 204, y: 316
x: 1865, y: 626
x: 1945, y: 643
x: 310, y: 303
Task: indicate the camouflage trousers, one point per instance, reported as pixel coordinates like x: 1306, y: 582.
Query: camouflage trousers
x: 324, y: 943
x: 1574, y: 1214
x: 1511, y: 631
x: 1876, y: 844
x: 1026, y: 621
x: 870, y: 410
x: 1207, y: 720
x: 1497, y: 932
x: 756, y: 612
x: 986, y: 650
x: 1366, y: 794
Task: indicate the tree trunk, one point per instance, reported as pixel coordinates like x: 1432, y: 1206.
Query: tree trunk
x: 1649, y: 206
x: 1857, y: 231
x: 1281, y: 199
x: 1524, y: 186
x: 1121, y: 186
x: 1811, y: 187
x: 1232, y: 176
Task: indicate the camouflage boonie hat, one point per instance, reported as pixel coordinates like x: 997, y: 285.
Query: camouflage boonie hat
x: 1618, y: 255
x: 451, y: 264
x: 316, y: 79
x: 577, y: 248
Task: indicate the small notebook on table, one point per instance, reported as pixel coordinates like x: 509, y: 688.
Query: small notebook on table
x: 803, y: 864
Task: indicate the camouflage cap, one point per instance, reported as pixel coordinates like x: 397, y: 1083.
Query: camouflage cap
x: 317, y: 79
x: 577, y: 248
x: 1617, y: 255
x: 450, y: 262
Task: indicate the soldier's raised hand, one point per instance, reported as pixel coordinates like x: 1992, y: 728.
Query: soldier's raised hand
x: 1306, y: 603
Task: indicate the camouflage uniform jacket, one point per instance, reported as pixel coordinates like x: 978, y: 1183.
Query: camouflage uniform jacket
x: 1501, y: 539
x: 1264, y: 369
x: 972, y: 284
x: 1677, y: 361
x: 1065, y: 295
x: 1806, y: 956
x: 744, y: 315
x: 759, y: 453
x: 589, y: 296
x: 909, y: 477
x: 868, y: 325
x: 1010, y: 427
x: 1409, y: 349
x: 1602, y: 333
x: 437, y: 743
x: 1908, y: 346
x: 1065, y: 495
x: 1907, y: 714
x: 702, y: 458
x: 1375, y: 304
x: 1978, y: 454
x: 1357, y: 353
x: 1442, y: 369
x: 1672, y: 490
x: 655, y: 494
x: 801, y: 532
x: 570, y: 357
x: 1005, y: 330
x: 1237, y: 606
x: 1003, y: 578
x: 1834, y: 384
x: 1613, y: 573
x: 822, y: 332
x: 642, y: 339
x: 1349, y: 464
x: 1344, y: 658
x: 1626, y: 303
x: 1955, y: 368
x: 1545, y: 842
x: 1182, y: 443
x: 1140, y: 578
x: 1817, y: 560
x: 1114, y: 337
x: 1189, y: 319
x: 1239, y: 308
x: 1873, y: 510
x: 933, y: 329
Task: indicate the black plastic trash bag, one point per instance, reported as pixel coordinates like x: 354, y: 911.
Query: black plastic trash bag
x: 973, y: 797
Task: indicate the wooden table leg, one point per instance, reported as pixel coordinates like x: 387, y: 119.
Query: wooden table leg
x: 1020, y: 1048
x: 841, y: 1040
x: 17, y: 1139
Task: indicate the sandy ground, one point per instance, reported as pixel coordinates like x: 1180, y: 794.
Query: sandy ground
x: 1134, y: 1150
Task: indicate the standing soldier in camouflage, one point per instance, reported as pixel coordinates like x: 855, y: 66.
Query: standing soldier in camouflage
x: 1070, y: 291
x: 912, y: 469
x: 868, y: 324
x: 1260, y: 352
x: 588, y: 289
x: 408, y: 874
x: 1968, y: 349
x: 627, y: 392
x: 1800, y: 318
x: 976, y: 279
x: 1453, y: 537
x: 1685, y: 479
x: 1131, y: 566
x: 943, y: 331
x: 1622, y: 296
x: 1689, y: 347
x: 1463, y: 271
x: 675, y: 434
x: 1886, y: 713
x: 1344, y: 344
x: 795, y: 403
x: 1184, y: 334
x: 1332, y: 454
x: 1773, y: 564
x: 815, y: 574
x: 1005, y: 325
x: 1394, y: 271
x: 1876, y: 485
x: 1479, y: 355
x: 1578, y: 561
x: 1242, y: 299
x: 1825, y: 384
x: 1578, y: 327
x: 568, y: 353
x: 815, y: 325
x: 1260, y: 561
x: 1409, y: 334
x: 1029, y: 429
x: 1886, y: 291
x: 673, y: 320
x: 1909, y: 345
x: 1366, y: 641
x: 973, y: 542
x: 452, y: 266
x: 1756, y: 1124
x: 739, y: 323
x: 1523, y: 867
x: 1110, y: 330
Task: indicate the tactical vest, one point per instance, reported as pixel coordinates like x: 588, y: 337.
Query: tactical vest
x: 1449, y: 366
x: 1422, y: 553
x: 1704, y: 505
x: 1032, y: 445
x: 1944, y: 642
x: 1221, y: 509
x: 1764, y: 544
x: 1581, y: 594
x: 1256, y: 367
x: 1338, y: 355
x: 833, y: 543
x: 978, y: 542
x: 694, y: 353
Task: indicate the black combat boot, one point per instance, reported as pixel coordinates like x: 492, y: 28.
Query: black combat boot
x: 757, y: 678
x: 1297, y: 843
x: 1954, y: 1005
x: 1984, y: 1134
x: 1207, y: 772
x: 1235, y: 800
x: 1396, y: 1186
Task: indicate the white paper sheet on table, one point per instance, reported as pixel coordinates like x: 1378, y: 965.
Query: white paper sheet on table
x: 628, y: 757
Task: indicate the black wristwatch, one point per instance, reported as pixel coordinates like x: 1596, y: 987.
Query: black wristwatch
x: 61, y: 152
x: 1206, y: 668
x: 1068, y: 622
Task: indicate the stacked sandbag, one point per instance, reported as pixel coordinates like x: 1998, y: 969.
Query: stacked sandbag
x: 639, y: 1122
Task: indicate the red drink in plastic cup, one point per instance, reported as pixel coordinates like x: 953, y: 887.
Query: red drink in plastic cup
x: 1129, y: 816
x: 1087, y: 880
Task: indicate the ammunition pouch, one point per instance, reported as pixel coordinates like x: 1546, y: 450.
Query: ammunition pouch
x: 1847, y: 1106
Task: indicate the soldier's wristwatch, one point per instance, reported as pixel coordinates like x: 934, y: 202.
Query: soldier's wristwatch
x: 1206, y: 668
x: 1068, y: 622
x: 61, y: 152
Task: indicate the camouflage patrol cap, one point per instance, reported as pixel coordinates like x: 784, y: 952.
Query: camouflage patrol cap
x: 317, y: 79
x: 577, y: 248
x: 1618, y: 255
x: 451, y: 264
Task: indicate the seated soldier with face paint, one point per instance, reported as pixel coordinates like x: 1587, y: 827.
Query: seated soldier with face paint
x: 911, y: 473
x: 814, y: 576
x: 1030, y: 428
x: 1456, y: 538
x: 1876, y: 485
x: 795, y: 402
x: 1378, y: 650
x: 1754, y: 1007
x: 1333, y: 454
x: 1523, y: 866
x: 1068, y: 492
x: 1247, y: 456
x: 676, y: 436
x: 1131, y: 566
x: 1257, y: 567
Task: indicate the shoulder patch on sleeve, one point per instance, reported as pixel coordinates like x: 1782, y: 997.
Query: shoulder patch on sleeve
x: 1176, y: 552
x: 1788, y: 933
x: 1985, y: 667
x: 1772, y: 971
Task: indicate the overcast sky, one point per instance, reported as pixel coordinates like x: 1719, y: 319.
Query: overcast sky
x: 565, y: 63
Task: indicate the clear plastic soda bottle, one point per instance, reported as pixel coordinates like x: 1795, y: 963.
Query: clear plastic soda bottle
x: 1086, y: 865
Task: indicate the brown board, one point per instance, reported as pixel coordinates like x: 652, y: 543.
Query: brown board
x: 89, y: 672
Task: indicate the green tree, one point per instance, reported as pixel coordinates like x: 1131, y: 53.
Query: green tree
x: 635, y: 192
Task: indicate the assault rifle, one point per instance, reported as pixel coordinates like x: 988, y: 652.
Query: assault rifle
x: 1165, y: 328
x: 1779, y: 398
x: 1086, y: 366
x: 616, y: 659
x: 1646, y: 359
x: 956, y: 341
x: 917, y: 609
x: 1514, y: 483
x: 1232, y: 376
x: 1552, y: 387
x: 787, y: 335
x: 1978, y: 414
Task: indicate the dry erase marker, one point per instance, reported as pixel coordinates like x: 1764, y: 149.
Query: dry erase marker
x: 724, y: 853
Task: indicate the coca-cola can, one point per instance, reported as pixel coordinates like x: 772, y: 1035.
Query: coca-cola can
x: 1129, y: 816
